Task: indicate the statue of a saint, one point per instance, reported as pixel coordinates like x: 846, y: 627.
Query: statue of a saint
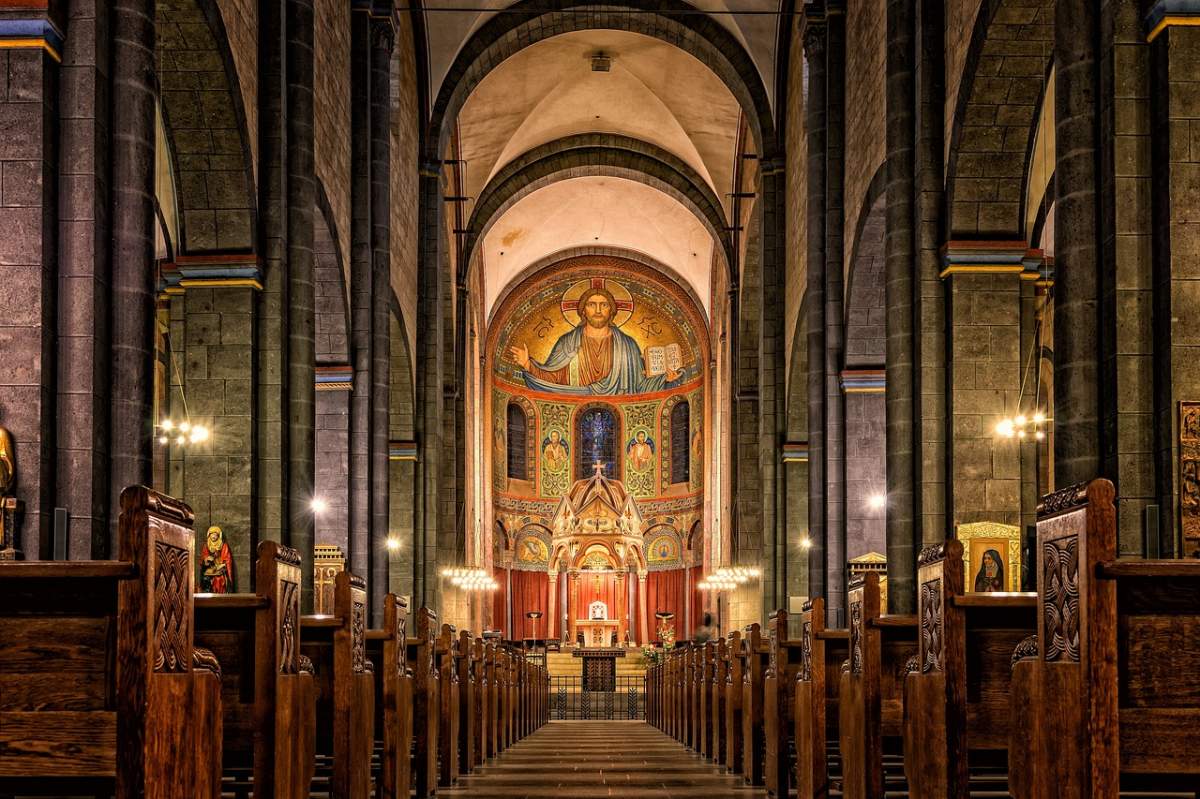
x: 217, y: 572
x: 8, y: 468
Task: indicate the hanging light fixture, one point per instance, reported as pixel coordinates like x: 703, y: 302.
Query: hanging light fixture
x: 180, y: 432
x: 727, y: 579
x: 470, y: 579
x: 1032, y: 422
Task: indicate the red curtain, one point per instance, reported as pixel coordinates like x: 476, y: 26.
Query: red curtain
x: 697, y: 599
x: 500, y: 602
x: 529, y: 593
x: 665, y: 592
x: 593, y: 587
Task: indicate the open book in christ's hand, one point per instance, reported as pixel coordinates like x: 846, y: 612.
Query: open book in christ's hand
x: 663, y: 360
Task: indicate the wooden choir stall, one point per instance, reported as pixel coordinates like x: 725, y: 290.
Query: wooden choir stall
x: 115, y: 679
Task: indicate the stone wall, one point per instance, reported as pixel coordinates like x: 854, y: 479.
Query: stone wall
x: 866, y: 44
x: 331, y: 115
x: 865, y: 474
x: 241, y: 29
x: 961, y: 18
x: 796, y: 199
x: 406, y: 120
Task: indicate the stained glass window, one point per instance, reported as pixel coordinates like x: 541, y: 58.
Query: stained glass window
x: 597, y: 443
x: 518, y: 424
x: 680, y: 428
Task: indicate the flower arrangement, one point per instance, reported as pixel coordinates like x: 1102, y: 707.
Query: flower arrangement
x: 652, y: 656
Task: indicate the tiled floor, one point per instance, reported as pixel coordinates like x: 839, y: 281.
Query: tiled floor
x: 599, y: 758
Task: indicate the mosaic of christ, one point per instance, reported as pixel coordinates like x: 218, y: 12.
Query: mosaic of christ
x: 614, y: 338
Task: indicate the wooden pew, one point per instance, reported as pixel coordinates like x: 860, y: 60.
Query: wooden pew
x: 703, y: 710
x: 492, y: 720
x: 482, y: 703
x: 269, y: 712
x: 734, y: 669
x: 426, y: 704
x: 783, y: 666
x: 756, y: 652
x: 387, y: 648
x: 716, y: 705
x: 336, y: 645
x: 468, y: 700
x: 871, y: 706
x: 1117, y: 674
x: 447, y: 706
x: 957, y: 712
x: 99, y: 687
x: 822, y: 652
x: 695, y: 692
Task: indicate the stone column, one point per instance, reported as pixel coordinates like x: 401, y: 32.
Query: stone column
x: 772, y: 422
x: 28, y: 265
x: 629, y: 608
x: 573, y: 604
x: 899, y: 253
x: 301, y: 328
x: 641, y: 622
x: 131, y: 376
x: 929, y: 317
x: 551, y: 600
x: 1077, y: 324
x: 382, y: 41
x: 361, y: 268
x: 835, y: 218
x: 814, y: 314
x: 271, y: 441
x: 83, y: 268
x: 1176, y: 256
x: 620, y: 608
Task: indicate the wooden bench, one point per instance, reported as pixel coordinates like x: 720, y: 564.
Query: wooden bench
x: 716, y: 705
x: 336, y: 645
x: 957, y: 718
x: 447, y: 706
x: 779, y: 684
x: 426, y: 704
x: 756, y: 652
x: 703, y: 710
x: 1116, y: 677
x: 822, y: 652
x: 268, y: 699
x: 388, y: 651
x: 101, y: 689
x: 871, y: 705
x: 468, y: 702
x: 734, y: 668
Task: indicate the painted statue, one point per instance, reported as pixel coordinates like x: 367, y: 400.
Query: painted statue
x: 640, y: 450
x: 217, y: 572
x: 554, y: 452
x: 8, y: 467
x: 595, y: 357
x: 990, y: 576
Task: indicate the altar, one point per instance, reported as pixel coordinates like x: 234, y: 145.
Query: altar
x: 600, y: 667
x: 598, y: 630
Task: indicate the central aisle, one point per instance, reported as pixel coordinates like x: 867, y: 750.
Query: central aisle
x: 599, y: 758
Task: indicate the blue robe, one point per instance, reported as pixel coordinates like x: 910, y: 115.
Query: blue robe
x: 627, y: 375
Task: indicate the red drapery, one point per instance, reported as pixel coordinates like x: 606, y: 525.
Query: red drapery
x: 529, y: 593
x: 697, y: 599
x: 600, y: 586
x: 500, y: 601
x: 665, y: 592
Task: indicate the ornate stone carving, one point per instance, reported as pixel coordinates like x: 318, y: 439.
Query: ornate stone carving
x: 931, y: 625
x: 1060, y: 598
x: 289, y: 601
x: 172, y: 616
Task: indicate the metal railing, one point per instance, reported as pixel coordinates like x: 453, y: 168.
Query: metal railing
x: 569, y: 700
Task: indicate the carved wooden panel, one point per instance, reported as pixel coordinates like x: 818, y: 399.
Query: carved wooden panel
x: 1189, y: 472
x: 358, y: 636
x: 289, y: 601
x: 856, y: 635
x: 1060, y: 593
x: 172, y: 614
x: 401, y: 639
x: 931, y: 625
x: 806, y: 652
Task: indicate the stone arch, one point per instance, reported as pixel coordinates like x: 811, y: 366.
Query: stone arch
x: 866, y: 307
x: 531, y: 21
x: 995, y: 117
x: 595, y: 154
x: 205, y: 123
x: 332, y: 297
x: 797, y: 385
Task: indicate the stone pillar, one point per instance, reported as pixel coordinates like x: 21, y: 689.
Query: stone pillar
x: 301, y: 356
x: 641, y: 620
x: 930, y: 411
x: 28, y: 264
x: 361, y: 267
x: 1175, y: 114
x: 551, y: 600
x: 131, y: 376
x: 985, y: 340
x: 1077, y: 325
x: 382, y: 41
x: 814, y: 314
x: 271, y: 367
x: 835, y: 218
x: 620, y: 608
x: 83, y: 268
x: 573, y: 604
x: 772, y: 376
x: 428, y: 416
x: 630, y: 605
x: 899, y: 252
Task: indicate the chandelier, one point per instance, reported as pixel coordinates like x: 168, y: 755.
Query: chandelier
x: 470, y: 579
x: 1034, y: 422
x: 727, y: 579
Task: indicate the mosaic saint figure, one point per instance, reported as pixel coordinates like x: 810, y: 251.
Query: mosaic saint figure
x: 217, y: 572
x: 990, y: 576
x: 554, y: 452
x: 641, y: 451
x: 595, y: 357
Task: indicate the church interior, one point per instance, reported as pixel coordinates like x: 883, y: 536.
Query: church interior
x: 582, y: 398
